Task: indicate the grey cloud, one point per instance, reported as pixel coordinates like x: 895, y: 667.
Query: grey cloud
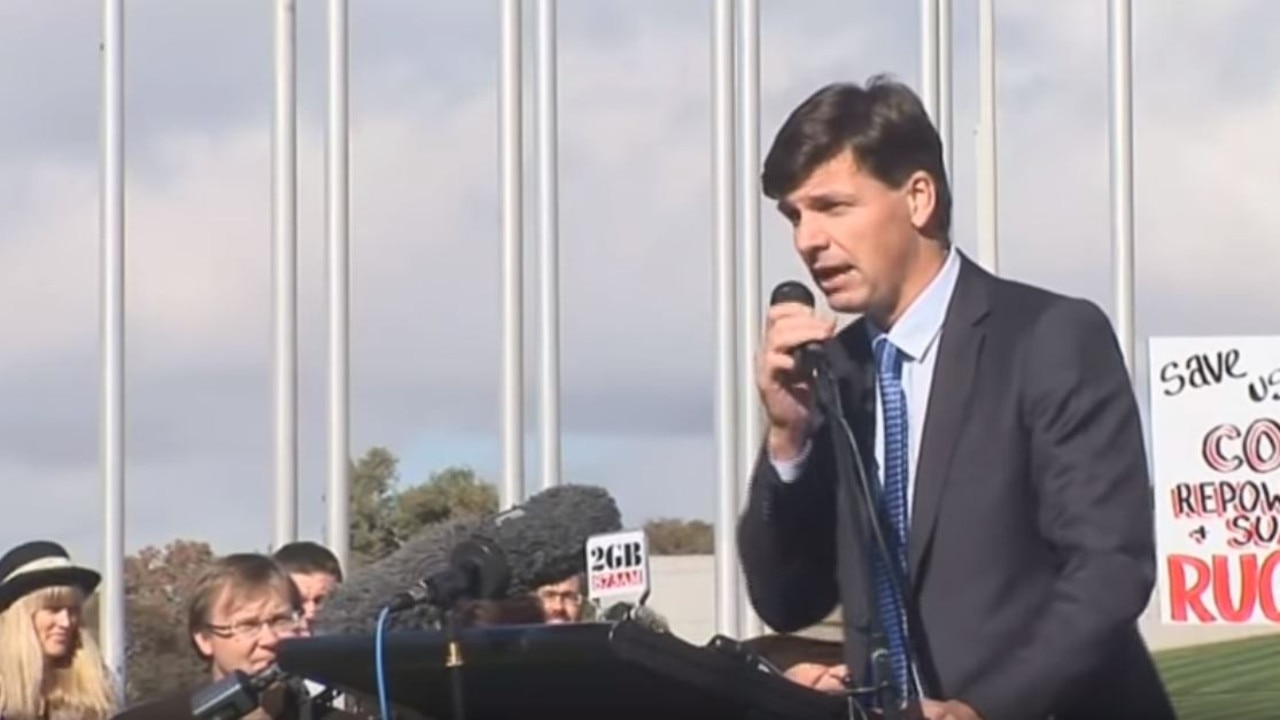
x: 206, y: 66
x: 51, y: 414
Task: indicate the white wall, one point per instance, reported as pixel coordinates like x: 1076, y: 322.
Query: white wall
x: 683, y: 590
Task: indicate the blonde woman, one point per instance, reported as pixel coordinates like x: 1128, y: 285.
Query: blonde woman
x: 50, y: 669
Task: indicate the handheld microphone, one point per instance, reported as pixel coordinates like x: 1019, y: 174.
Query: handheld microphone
x: 809, y: 356
x: 234, y: 696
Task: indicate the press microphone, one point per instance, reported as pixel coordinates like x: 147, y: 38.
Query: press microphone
x: 810, y: 355
x: 477, y: 570
x: 542, y: 541
x: 234, y: 696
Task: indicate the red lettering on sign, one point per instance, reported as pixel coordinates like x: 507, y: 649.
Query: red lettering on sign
x: 1190, y: 577
x: 617, y: 579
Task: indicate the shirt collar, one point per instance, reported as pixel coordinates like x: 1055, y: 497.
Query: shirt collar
x: 917, y: 330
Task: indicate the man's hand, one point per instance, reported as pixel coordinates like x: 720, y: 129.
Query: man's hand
x: 823, y: 678
x: 949, y: 710
x: 788, y: 397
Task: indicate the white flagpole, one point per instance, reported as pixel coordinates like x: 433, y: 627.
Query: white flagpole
x: 988, y: 178
x: 945, y: 122
x: 112, y: 317
x: 337, y: 198
x: 929, y: 41
x: 285, y: 241
x: 511, y: 146
x: 751, y: 316
x: 548, y: 244
x: 724, y: 269
x: 1120, y: 63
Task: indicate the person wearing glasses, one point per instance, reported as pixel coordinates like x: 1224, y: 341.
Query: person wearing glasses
x: 240, y: 609
x: 561, y: 600
x: 242, y: 606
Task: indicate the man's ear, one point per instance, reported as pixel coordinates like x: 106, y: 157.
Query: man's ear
x: 204, y: 645
x: 922, y: 199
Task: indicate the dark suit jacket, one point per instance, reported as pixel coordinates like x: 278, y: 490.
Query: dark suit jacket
x: 1031, y: 547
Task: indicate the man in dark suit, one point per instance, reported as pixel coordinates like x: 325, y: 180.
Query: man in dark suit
x: 998, y: 431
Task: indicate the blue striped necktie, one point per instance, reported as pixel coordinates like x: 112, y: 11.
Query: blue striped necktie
x: 894, y: 500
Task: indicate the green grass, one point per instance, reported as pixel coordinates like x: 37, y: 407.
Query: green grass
x: 1238, y: 679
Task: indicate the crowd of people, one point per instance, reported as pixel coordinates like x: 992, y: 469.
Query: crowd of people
x: 238, y: 611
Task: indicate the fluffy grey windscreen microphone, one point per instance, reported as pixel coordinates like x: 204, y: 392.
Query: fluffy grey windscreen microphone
x: 543, y: 539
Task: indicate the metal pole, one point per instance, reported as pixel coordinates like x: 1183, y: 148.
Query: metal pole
x: 285, y: 241
x: 929, y: 40
x: 111, y: 309
x: 510, y: 149
x: 1120, y: 63
x: 338, y: 497
x: 724, y: 269
x: 548, y: 244
x: 945, y: 125
x: 751, y: 318
x: 988, y: 182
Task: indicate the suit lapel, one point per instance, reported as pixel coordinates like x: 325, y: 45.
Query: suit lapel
x: 959, y: 351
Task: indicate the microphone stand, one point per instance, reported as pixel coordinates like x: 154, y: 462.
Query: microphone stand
x: 454, y: 661
x: 851, y: 472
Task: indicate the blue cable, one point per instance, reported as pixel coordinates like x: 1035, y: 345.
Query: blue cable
x: 380, y: 673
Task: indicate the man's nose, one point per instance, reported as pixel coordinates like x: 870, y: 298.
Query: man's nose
x: 810, y: 235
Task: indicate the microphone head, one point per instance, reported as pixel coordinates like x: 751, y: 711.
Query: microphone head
x: 791, y: 291
x: 485, y: 565
x: 354, y: 605
x: 540, y: 541
x: 545, y: 538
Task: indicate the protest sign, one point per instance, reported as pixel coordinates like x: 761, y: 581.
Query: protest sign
x: 1215, y: 447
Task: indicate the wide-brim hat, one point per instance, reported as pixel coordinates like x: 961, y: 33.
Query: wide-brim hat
x: 37, y: 565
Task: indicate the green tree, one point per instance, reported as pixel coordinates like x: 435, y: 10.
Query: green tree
x: 448, y: 493
x: 373, y: 480
x: 671, y: 536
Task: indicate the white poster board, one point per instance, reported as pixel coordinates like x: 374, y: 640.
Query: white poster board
x: 1215, y: 447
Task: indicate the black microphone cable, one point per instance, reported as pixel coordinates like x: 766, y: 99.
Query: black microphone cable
x: 847, y: 454
x: 811, y: 360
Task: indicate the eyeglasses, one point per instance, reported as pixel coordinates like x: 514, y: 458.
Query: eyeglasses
x: 566, y: 597
x: 250, y: 629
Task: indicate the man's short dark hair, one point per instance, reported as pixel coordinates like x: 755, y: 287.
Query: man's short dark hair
x: 305, y: 558
x: 884, y: 124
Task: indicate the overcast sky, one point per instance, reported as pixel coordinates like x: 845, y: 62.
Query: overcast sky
x: 635, y: 124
